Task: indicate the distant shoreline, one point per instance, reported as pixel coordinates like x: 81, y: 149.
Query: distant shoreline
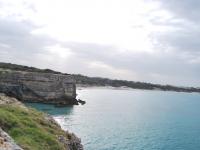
x: 83, y: 87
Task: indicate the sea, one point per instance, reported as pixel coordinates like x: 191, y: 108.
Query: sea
x: 128, y: 119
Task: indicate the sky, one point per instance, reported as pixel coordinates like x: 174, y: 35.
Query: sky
x: 153, y: 41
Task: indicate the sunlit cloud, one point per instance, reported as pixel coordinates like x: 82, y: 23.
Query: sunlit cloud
x: 59, y: 51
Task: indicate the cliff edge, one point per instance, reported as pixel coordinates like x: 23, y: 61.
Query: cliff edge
x: 24, y: 128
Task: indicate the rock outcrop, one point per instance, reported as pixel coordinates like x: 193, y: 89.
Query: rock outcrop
x: 39, y: 87
x: 7, y: 143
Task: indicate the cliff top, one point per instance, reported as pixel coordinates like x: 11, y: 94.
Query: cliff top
x: 35, y: 75
x: 9, y: 66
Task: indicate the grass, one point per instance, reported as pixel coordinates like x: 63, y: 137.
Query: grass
x: 30, y: 129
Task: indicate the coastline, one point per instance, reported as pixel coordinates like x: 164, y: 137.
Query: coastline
x: 82, y: 87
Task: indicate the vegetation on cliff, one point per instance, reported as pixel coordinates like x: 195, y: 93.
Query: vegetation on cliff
x: 33, y: 130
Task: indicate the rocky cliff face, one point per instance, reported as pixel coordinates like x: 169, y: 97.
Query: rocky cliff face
x: 38, y: 87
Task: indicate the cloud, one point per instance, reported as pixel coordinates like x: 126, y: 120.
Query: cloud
x: 181, y: 27
x: 155, y: 41
x: 185, y: 9
x: 17, y: 41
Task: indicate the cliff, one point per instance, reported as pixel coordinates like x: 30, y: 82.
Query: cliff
x: 38, y: 87
x: 23, y: 128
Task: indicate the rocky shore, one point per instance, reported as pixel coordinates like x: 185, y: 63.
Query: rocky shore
x: 24, y: 128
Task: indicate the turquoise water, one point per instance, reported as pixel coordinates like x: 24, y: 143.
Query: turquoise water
x: 133, y: 119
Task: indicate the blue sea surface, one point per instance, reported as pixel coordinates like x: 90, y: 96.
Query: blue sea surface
x: 117, y: 119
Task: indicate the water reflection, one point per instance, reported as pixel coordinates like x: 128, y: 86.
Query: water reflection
x: 51, y: 109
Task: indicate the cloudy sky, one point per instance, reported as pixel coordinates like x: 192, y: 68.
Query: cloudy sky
x: 142, y: 40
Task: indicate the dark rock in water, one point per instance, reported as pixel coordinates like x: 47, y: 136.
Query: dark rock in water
x: 39, y: 87
x: 81, y: 102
